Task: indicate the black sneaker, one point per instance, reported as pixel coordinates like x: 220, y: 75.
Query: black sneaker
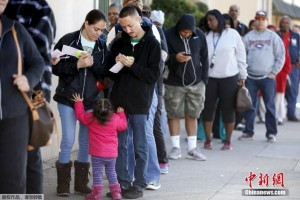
x: 123, y: 190
x: 133, y: 193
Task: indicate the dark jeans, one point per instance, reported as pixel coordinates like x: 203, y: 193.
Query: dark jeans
x: 13, y: 154
x: 292, y: 92
x: 267, y: 87
x: 34, y: 172
x: 157, y: 128
x: 137, y: 128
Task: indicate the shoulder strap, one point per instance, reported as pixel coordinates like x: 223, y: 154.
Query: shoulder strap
x: 15, y: 36
x: 35, y: 114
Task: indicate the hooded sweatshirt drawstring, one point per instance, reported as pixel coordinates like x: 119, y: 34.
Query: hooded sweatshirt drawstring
x: 188, y: 50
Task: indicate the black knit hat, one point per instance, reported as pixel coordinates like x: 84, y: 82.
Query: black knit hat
x: 186, y: 22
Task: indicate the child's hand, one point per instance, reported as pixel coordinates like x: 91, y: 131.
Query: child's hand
x: 120, y: 109
x: 76, y: 97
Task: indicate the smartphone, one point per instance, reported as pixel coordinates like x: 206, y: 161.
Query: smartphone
x: 187, y: 54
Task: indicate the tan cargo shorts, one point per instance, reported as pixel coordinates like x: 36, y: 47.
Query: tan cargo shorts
x: 181, y: 101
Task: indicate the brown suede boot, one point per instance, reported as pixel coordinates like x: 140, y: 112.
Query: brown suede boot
x: 63, y: 178
x: 115, y: 190
x: 81, y: 177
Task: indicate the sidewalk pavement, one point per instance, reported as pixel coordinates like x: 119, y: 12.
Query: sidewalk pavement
x: 222, y: 176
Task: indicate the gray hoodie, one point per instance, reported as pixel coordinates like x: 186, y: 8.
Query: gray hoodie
x: 265, y: 53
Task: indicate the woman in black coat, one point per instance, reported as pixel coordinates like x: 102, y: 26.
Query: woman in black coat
x: 78, y: 74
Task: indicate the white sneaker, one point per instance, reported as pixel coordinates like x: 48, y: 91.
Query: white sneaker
x: 196, y: 155
x: 153, y: 186
x: 240, y: 127
x: 174, y: 154
x: 271, y: 138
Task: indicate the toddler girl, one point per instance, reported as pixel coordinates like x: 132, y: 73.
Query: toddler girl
x: 103, y: 125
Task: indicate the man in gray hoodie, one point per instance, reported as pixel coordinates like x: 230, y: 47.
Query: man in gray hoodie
x: 265, y: 58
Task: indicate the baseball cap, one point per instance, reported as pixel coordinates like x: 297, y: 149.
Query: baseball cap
x: 261, y: 14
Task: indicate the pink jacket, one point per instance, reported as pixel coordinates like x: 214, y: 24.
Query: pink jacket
x: 103, y: 139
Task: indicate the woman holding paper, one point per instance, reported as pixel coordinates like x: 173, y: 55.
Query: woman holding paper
x: 78, y: 72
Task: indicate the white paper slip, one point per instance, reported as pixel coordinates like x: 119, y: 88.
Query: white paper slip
x: 117, y: 67
x: 56, y: 53
x: 164, y: 55
x: 72, y: 51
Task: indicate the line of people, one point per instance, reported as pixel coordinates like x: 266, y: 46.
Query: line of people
x: 137, y: 48
x: 181, y: 72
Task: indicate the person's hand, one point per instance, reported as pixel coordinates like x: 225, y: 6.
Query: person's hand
x: 21, y: 82
x: 120, y: 109
x: 180, y: 57
x: 127, y: 61
x: 272, y: 76
x: 85, y: 60
x: 241, y: 82
x: 55, y: 60
x: 76, y: 97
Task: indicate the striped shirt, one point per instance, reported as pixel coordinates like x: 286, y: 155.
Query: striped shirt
x: 38, y: 18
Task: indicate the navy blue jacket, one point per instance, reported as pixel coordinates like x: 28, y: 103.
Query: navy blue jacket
x: 195, y: 70
x: 12, y: 103
x: 242, y: 29
x: 294, y: 46
x: 38, y: 19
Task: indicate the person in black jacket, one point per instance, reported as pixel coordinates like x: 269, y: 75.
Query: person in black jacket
x: 14, y: 112
x: 139, y: 52
x: 78, y: 75
x: 38, y: 19
x: 160, y: 120
x: 242, y: 29
x: 234, y: 12
x: 153, y: 168
x: 185, y: 82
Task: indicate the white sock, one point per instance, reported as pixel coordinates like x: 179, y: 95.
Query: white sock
x: 192, y: 142
x: 175, y: 141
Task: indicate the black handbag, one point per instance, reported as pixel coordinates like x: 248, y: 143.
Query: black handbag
x: 41, y: 115
x: 243, y: 99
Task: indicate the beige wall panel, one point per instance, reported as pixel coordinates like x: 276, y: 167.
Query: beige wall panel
x: 69, y: 15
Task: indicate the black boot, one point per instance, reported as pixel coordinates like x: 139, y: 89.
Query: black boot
x: 63, y: 178
x: 81, y: 177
